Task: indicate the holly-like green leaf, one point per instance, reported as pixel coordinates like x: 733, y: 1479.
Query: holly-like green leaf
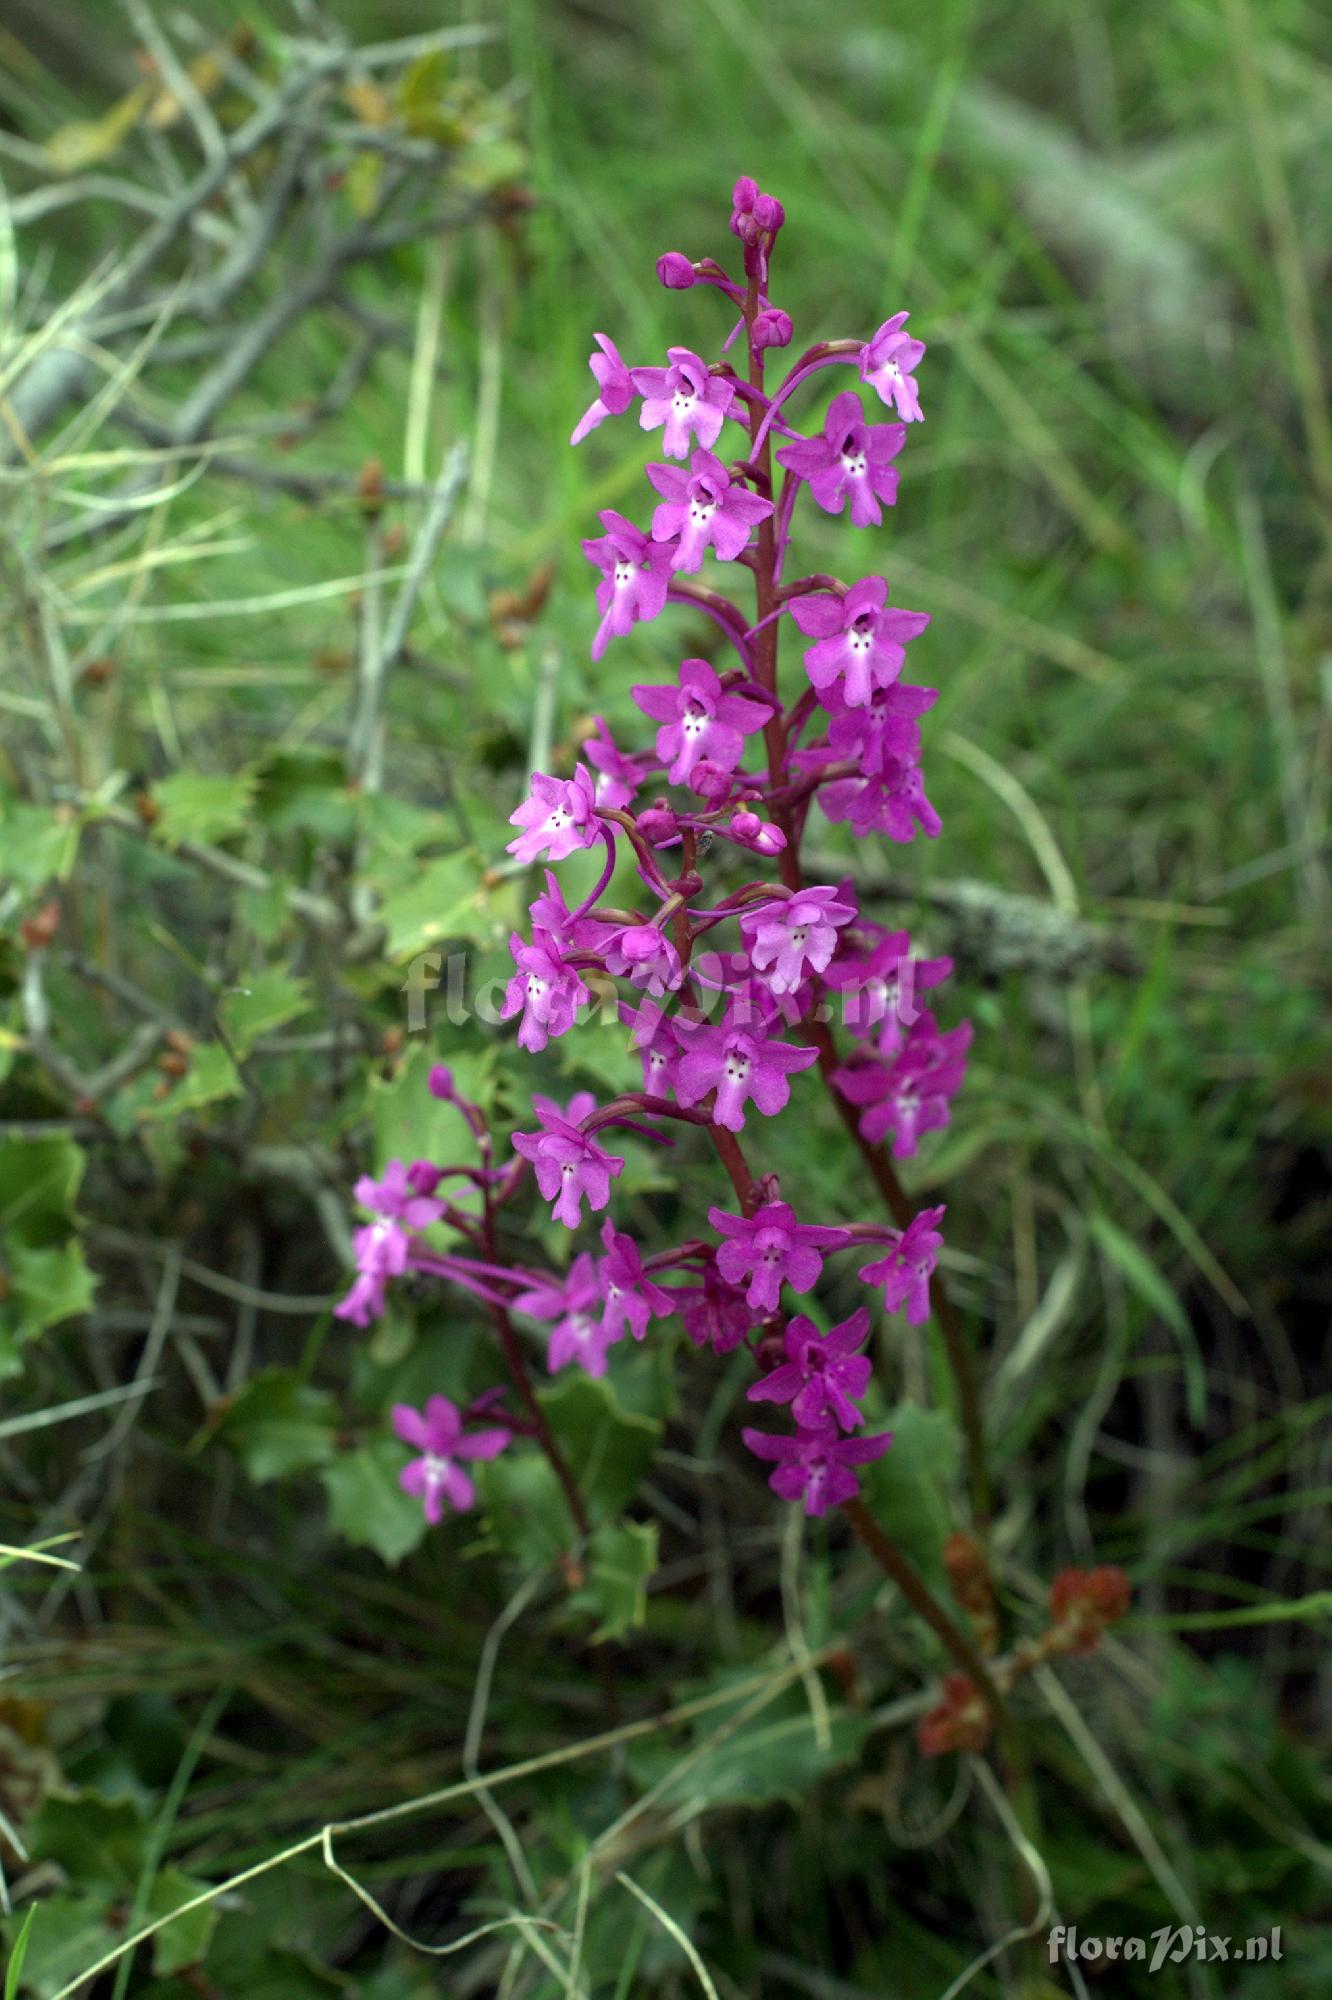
x: 908, y: 1490
x: 608, y: 1448
x: 621, y: 1557
x: 39, y: 1179
x: 37, y: 844
x: 445, y: 900
x: 366, y: 1504
x: 279, y: 1425
x: 48, y: 1285
x: 266, y: 1000
x: 184, y: 1942
x: 205, y: 806
x: 211, y: 1076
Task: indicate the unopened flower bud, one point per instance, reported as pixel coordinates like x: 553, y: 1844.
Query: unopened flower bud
x: 658, y: 825
x: 709, y: 780
x: 772, y: 328
x: 744, y: 825
x: 675, y: 271
x: 744, y: 194
x: 423, y: 1178
x: 441, y: 1082
x: 769, y: 213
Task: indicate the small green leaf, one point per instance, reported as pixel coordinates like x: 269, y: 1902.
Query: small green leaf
x: 265, y: 1001
x: 36, y: 844
x: 278, y: 1425
x: 211, y: 1076
x: 184, y: 1942
x: 71, y: 1934
x: 39, y: 1179
x: 527, y: 1515
x: 445, y: 901
x: 607, y: 1448
x: 194, y: 805
x: 621, y: 1557
x: 49, y: 1285
x: 408, y: 1124
x: 908, y: 1490
x: 366, y: 1504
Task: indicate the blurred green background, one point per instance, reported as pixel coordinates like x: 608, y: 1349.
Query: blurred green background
x: 1111, y: 223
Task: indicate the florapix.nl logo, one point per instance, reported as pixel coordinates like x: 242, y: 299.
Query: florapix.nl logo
x: 1171, y: 1945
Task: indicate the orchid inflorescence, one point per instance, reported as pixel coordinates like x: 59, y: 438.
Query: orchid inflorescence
x: 722, y: 1035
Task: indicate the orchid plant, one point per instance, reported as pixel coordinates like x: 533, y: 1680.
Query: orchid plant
x: 739, y: 761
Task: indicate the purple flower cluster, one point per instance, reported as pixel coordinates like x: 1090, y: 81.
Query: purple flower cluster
x: 708, y: 817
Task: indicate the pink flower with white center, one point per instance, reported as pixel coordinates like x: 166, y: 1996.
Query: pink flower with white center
x: 619, y: 774
x: 686, y: 398
x: 771, y: 1248
x: 615, y: 389
x: 544, y: 990
x: 550, y: 913
x: 705, y: 509
x: 880, y: 982
x: 635, y: 576
x: 852, y: 460
x: 365, y: 1301
x: 437, y: 1475
x: 645, y: 956
x: 574, y: 1304
x: 911, y: 1094
x: 886, y: 363
x: 862, y: 639
x: 738, y: 1065
x: 568, y: 1164
x: 401, y: 1202
x: 558, y: 818
x: 881, y: 731
x: 905, y: 1271
x: 891, y: 801
x: 787, y: 940
x: 631, y: 1298
x: 823, y: 1376
x: 661, y: 1050
x: 815, y: 1465
x: 700, y: 720
x: 715, y: 1314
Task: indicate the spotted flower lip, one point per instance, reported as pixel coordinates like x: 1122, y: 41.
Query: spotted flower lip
x: 683, y: 401
x: 740, y: 1066
x: 911, y: 1094
x: 629, y: 1296
x: 574, y: 1304
x: 568, y: 1164
x: 635, y: 576
x: 852, y: 460
x: 823, y: 1376
x: 771, y: 1248
x: 437, y: 1475
x: 789, y: 939
x: 887, y: 362
x: 815, y: 1465
x: 861, y: 639
x: 615, y: 389
x: 699, y: 720
x: 705, y: 509
x: 619, y: 772
x: 558, y: 817
x: 544, y: 990
x: 905, y: 1270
